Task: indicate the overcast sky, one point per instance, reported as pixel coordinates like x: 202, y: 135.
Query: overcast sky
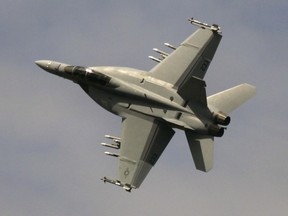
x: 50, y: 160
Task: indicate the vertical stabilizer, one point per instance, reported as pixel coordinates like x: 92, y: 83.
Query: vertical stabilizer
x: 202, y: 150
x: 230, y: 99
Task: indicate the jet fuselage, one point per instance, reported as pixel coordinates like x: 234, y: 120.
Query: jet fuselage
x: 122, y: 91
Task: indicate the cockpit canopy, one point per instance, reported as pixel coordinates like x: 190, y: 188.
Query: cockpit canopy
x: 88, y: 74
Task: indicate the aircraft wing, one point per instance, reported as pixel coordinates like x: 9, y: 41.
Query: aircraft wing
x: 191, y: 59
x: 143, y: 140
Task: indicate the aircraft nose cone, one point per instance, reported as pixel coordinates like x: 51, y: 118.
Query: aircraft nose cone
x: 47, y: 65
x: 53, y: 67
x: 44, y: 64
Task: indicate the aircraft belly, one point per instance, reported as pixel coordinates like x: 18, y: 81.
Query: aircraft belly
x: 141, y: 100
x: 104, y: 98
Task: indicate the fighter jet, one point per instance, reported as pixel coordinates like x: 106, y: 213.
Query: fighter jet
x: 152, y: 104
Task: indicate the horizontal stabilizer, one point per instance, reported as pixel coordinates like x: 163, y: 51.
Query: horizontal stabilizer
x: 230, y: 99
x: 202, y: 150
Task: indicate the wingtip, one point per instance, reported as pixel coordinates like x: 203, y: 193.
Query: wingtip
x: 252, y: 88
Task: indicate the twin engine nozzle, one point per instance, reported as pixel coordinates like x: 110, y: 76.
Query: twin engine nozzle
x: 221, y: 118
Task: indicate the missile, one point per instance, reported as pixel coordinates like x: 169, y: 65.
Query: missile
x: 115, y: 146
x: 111, y: 154
x: 126, y: 187
x: 155, y: 59
x: 111, y: 181
x: 112, y: 137
x: 213, y: 27
x: 162, y: 53
x: 115, y: 139
x: 170, y: 46
x: 104, y: 179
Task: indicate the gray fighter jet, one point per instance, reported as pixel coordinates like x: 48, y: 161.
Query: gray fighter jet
x: 151, y: 104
